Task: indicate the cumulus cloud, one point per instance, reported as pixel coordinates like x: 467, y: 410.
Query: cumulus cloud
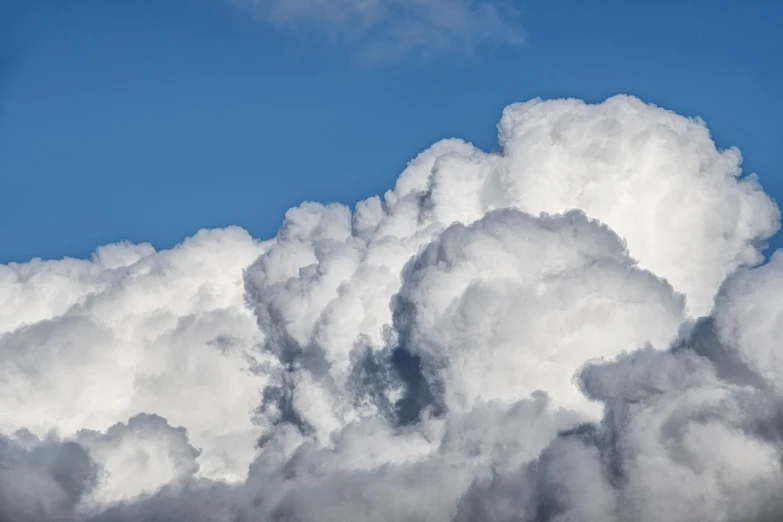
x: 576, y: 327
x: 390, y: 28
x: 86, y: 344
x: 139, y: 457
x: 480, y: 286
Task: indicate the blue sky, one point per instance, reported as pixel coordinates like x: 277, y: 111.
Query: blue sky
x: 147, y: 120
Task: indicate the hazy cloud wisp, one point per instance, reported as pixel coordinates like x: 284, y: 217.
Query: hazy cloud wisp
x: 387, y: 29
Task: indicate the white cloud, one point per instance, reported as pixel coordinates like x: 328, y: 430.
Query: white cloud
x: 139, y: 457
x: 514, y: 304
x: 390, y: 28
x: 572, y: 328
x: 88, y: 344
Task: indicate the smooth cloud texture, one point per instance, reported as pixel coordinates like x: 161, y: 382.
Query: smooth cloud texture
x: 572, y: 328
x: 389, y: 28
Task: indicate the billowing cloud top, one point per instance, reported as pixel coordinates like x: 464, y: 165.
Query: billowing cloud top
x: 574, y: 328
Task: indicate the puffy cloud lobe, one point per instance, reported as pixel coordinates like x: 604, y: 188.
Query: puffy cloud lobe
x: 652, y: 176
x: 468, y: 347
x: 41, y: 290
x: 366, y: 471
x: 139, y: 457
x: 325, y: 284
x: 135, y: 331
x: 693, y: 433
x: 749, y: 317
x: 676, y: 443
x: 513, y: 304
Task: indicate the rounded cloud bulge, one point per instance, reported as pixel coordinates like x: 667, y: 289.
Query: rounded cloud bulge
x: 577, y: 326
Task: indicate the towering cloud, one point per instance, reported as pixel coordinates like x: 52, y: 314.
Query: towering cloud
x: 573, y: 328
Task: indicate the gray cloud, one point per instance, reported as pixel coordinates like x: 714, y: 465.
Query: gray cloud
x: 42, y: 479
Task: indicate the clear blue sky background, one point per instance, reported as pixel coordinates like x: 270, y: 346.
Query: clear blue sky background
x: 147, y: 120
